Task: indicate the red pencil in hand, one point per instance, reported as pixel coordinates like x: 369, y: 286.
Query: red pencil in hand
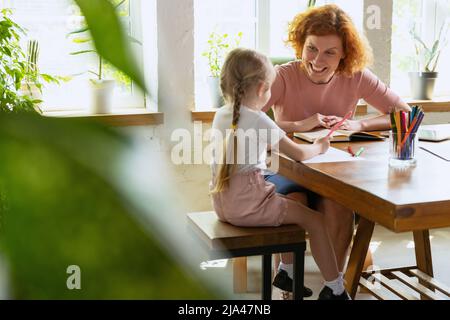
x: 337, y: 125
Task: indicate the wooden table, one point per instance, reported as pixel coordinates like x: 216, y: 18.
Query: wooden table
x: 409, y: 200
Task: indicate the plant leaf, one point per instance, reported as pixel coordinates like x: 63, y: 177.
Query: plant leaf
x: 134, y: 40
x: 119, y: 4
x: 81, y: 52
x: 84, y: 29
x: 81, y: 40
x: 109, y: 37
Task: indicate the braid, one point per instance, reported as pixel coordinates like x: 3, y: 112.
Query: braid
x: 238, y: 95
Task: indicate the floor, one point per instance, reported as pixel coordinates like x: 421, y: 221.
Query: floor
x: 388, y: 249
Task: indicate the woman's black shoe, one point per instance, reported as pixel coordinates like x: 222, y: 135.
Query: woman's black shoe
x: 283, y: 282
x: 327, y: 294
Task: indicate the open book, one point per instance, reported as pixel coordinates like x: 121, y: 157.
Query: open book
x: 338, y: 135
x: 436, y: 132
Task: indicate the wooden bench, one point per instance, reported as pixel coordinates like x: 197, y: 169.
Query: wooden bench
x: 223, y: 240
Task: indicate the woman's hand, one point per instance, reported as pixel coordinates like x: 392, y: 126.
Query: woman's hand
x: 317, y: 120
x: 323, y: 143
x: 351, y: 125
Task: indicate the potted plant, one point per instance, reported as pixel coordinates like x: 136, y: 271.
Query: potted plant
x: 20, y: 80
x: 29, y: 86
x: 102, y: 89
x: 32, y: 82
x: 104, y: 74
x: 218, y: 47
x: 427, y: 58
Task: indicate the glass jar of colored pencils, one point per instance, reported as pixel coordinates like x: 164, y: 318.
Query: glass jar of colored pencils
x: 403, y: 138
x: 402, y: 149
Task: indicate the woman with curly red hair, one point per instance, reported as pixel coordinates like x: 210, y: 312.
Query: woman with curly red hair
x: 317, y: 90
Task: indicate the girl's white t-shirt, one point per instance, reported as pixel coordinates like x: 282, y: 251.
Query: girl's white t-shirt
x: 256, y: 133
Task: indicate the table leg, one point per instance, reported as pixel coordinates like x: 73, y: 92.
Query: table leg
x: 266, y: 293
x: 423, y: 251
x: 423, y: 255
x: 357, y: 256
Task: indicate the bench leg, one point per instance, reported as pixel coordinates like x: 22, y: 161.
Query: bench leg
x: 266, y: 293
x: 240, y: 275
x: 299, y: 272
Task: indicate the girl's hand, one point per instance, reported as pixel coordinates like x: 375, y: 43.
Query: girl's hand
x: 323, y: 143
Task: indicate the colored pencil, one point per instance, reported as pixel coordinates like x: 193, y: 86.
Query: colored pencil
x: 337, y: 125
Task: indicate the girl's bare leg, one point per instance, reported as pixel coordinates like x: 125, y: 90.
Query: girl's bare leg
x: 321, y: 247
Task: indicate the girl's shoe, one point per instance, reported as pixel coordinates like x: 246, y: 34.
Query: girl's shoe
x: 283, y: 282
x: 327, y: 294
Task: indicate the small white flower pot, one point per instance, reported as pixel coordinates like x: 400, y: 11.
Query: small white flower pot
x: 102, y: 92
x: 215, y: 92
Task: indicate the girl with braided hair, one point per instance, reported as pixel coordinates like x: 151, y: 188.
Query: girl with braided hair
x: 240, y: 194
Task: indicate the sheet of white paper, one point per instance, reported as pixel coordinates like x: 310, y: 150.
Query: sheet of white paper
x: 333, y: 155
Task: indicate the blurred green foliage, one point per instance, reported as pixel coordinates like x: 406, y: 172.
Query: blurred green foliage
x: 60, y: 208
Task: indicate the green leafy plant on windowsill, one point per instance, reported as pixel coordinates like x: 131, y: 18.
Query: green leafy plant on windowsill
x: 218, y: 47
x: 104, y: 69
x: 19, y: 74
x: 427, y: 56
x: 109, y: 38
x: 105, y: 75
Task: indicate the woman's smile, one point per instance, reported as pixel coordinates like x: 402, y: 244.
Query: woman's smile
x: 317, y: 70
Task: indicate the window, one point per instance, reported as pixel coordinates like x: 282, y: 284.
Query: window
x: 231, y: 17
x: 263, y: 23
x: 429, y: 16
x: 274, y: 17
x: 50, y: 22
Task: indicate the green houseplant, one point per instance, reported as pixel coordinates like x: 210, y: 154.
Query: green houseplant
x: 217, y: 48
x: 109, y: 38
x: 20, y: 80
x: 426, y: 59
x: 104, y: 76
x: 32, y: 82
